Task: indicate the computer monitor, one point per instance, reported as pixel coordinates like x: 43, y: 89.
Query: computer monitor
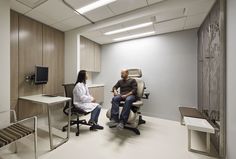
x: 41, y: 75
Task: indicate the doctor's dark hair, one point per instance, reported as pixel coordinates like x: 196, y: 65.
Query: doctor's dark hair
x: 81, y: 77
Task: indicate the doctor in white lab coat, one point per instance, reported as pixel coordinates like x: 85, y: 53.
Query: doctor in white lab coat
x: 85, y: 101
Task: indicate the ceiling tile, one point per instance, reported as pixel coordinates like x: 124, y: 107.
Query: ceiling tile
x: 200, y: 6
x: 137, y: 21
x: 194, y: 20
x: 170, y: 14
x: 41, y: 17
x: 122, y: 6
x: 92, y: 34
x: 102, y: 40
x: 55, y: 9
x: 19, y: 7
x: 62, y: 26
x: 99, y: 14
x: 142, y: 30
x: 70, y: 23
x: 154, y: 1
x: 32, y: 3
x: 76, y: 4
x: 170, y: 26
x: 123, y: 34
x: 75, y: 21
x: 111, y: 28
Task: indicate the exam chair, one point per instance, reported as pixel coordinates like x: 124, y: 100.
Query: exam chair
x: 135, y: 117
x: 75, y: 111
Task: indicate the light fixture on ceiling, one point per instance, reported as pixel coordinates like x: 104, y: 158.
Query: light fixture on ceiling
x: 94, y: 5
x: 129, y: 28
x: 134, y: 36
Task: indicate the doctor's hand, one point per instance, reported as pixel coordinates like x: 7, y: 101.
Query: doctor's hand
x: 94, y: 100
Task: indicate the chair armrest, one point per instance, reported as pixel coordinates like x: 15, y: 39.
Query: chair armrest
x: 14, y: 115
x: 27, y: 119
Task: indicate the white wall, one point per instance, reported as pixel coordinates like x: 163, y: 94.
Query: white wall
x: 169, y: 65
x: 4, y: 62
x: 231, y: 80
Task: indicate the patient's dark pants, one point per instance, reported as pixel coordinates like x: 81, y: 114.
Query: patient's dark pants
x: 124, y: 116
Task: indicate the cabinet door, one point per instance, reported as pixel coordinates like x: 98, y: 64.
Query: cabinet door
x: 97, y: 58
x: 90, y: 55
x: 82, y: 54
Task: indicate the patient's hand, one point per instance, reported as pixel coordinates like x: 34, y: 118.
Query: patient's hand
x: 123, y: 96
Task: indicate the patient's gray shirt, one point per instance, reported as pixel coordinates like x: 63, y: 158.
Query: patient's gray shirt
x: 126, y: 86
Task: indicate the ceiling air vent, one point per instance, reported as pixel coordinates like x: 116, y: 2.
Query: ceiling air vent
x: 32, y: 3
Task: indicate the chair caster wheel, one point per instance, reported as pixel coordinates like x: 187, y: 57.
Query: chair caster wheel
x: 63, y: 129
x: 77, y: 133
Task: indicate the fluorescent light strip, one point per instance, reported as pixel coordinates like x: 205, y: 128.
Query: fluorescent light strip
x: 94, y: 5
x: 134, y: 36
x: 129, y: 28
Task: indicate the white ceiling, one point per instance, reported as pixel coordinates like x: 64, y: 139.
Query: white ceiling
x: 186, y: 15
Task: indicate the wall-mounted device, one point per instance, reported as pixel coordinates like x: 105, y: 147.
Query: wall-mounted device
x: 40, y: 76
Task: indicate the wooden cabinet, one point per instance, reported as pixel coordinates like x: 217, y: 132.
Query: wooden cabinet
x: 97, y: 58
x: 90, y: 55
x: 98, y: 93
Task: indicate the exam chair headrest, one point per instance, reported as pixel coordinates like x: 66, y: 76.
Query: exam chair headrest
x: 135, y: 73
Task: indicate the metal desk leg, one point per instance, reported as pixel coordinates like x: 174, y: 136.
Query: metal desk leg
x: 49, y: 127
x: 36, y: 137
x: 208, y: 143
x: 69, y: 117
x: 189, y: 139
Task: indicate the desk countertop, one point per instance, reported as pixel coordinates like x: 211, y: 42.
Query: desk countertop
x: 45, y: 99
x: 198, y: 124
x: 95, y: 85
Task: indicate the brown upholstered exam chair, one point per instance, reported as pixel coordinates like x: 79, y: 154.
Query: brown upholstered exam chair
x: 135, y: 117
x: 75, y: 111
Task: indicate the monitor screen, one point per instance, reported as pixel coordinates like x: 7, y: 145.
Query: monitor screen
x: 41, y: 75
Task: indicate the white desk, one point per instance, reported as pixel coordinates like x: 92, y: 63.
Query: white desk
x: 197, y: 124
x: 49, y: 102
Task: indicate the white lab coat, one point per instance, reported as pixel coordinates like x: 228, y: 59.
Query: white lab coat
x: 82, y: 98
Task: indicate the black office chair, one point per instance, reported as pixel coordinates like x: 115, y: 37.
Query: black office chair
x: 75, y: 111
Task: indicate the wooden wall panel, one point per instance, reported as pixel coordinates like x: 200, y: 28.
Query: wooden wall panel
x: 14, y: 59
x: 30, y: 53
x: 53, y: 57
x: 33, y: 43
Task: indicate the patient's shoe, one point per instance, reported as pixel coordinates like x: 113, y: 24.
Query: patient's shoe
x: 120, y: 126
x: 112, y: 123
x: 96, y: 127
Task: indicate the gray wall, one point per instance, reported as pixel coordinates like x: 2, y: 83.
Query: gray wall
x: 231, y: 79
x: 4, y: 62
x: 169, y: 65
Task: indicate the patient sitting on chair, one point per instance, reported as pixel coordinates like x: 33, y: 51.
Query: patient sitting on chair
x: 128, y: 89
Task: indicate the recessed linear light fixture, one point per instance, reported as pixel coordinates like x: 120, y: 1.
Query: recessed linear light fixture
x: 94, y: 5
x: 134, y: 36
x: 129, y: 28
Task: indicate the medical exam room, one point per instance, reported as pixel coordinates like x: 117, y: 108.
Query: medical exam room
x: 117, y: 79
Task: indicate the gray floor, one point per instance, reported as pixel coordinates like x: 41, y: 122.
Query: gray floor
x: 159, y: 138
